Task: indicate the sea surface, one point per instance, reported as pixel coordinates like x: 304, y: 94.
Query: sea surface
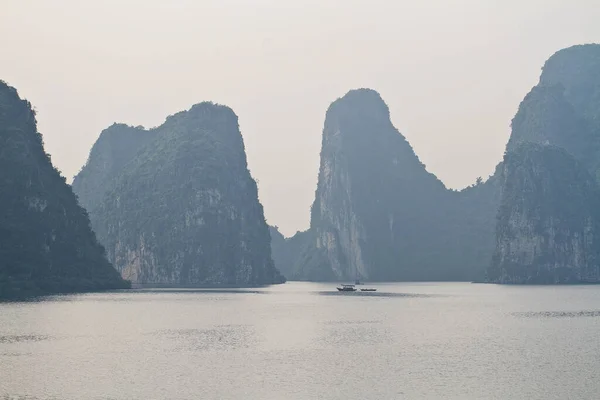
x: 306, y: 341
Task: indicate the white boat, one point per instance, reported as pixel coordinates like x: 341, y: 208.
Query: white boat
x: 346, y: 288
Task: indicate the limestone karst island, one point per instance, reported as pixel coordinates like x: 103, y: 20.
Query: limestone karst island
x: 176, y: 205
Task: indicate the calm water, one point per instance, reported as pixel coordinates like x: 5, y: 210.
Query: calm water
x: 305, y: 341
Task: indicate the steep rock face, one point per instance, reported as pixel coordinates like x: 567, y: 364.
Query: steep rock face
x: 577, y: 70
x: 560, y: 114
x: 379, y: 215
x: 46, y: 243
x: 185, y: 210
x: 547, y: 229
x: 563, y: 109
x: 286, y: 251
x: 471, y: 224
x: 545, y: 116
x: 116, y: 146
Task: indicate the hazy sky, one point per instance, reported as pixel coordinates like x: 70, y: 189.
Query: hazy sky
x: 452, y: 72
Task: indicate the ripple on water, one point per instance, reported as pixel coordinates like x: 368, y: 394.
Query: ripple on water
x: 26, y: 397
x: 218, y: 338
x: 557, y: 314
x: 22, y: 338
x: 356, y: 334
x: 351, y: 322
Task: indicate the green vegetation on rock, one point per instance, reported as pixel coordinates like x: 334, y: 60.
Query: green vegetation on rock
x: 180, y: 208
x: 286, y: 251
x: 115, y: 147
x: 46, y: 243
x: 548, y: 221
x: 577, y: 70
x: 379, y: 215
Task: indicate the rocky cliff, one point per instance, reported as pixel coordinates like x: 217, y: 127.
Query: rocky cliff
x: 116, y: 146
x: 379, y: 215
x: 46, y: 243
x: 287, y: 251
x: 548, y: 221
x: 547, y: 224
x: 577, y: 70
x: 563, y: 108
x: 181, y: 208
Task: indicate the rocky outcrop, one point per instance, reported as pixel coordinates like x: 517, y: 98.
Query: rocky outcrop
x: 286, y: 251
x: 548, y: 227
x: 184, y: 209
x: 577, y: 70
x: 116, y: 146
x: 563, y: 109
x: 547, y: 224
x: 379, y: 215
x: 545, y: 116
x: 46, y: 243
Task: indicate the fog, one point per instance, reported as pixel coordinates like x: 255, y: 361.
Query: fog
x: 452, y: 72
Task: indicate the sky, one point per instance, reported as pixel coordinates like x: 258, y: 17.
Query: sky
x: 451, y: 71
